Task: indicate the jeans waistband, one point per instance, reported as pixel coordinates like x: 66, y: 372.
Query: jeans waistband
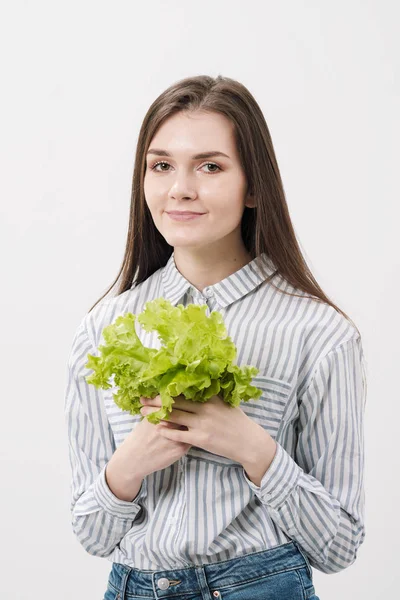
x: 167, y: 582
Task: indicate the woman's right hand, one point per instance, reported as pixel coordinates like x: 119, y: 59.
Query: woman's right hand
x: 145, y: 450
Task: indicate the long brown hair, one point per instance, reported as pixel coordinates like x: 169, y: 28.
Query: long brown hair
x: 265, y: 229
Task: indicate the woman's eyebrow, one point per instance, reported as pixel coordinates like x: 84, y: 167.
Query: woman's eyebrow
x: 210, y: 154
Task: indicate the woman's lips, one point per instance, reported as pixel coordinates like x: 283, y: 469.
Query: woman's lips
x: 187, y: 217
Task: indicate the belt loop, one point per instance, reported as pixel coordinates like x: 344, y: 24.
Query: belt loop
x: 124, y: 582
x: 306, y: 559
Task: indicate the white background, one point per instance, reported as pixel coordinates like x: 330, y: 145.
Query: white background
x: 76, y: 81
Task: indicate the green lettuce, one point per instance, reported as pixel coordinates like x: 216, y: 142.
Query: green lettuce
x: 195, y: 360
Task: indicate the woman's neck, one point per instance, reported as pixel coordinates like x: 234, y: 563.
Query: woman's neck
x: 205, y: 270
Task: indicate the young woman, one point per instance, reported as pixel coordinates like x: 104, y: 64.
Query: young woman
x: 221, y: 502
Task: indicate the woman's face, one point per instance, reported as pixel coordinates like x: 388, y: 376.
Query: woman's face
x: 175, y: 180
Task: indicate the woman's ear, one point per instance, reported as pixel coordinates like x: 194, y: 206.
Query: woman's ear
x: 250, y: 202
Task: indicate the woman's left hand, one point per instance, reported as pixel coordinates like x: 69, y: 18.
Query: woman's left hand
x: 215, y: 426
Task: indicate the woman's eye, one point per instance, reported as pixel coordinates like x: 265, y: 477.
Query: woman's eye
x: 213, y: 165
x: 161, y: 162
x: 153, y: 168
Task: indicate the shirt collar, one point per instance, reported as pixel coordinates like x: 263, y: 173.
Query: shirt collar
x: 227, y: 291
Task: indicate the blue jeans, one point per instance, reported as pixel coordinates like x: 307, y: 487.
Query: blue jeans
x: 280, y: 573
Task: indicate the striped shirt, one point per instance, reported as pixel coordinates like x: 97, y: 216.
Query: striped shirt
x: 203, y: 508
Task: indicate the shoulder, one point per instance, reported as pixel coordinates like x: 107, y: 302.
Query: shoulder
x: 327, y: 329
x: 326, y: 334
x: 316, y: 330
x: 315, y: 323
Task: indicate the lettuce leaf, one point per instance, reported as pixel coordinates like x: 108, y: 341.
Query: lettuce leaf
x: 196, y: 359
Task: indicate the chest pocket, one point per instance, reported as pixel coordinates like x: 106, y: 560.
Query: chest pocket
x: 269, y: 408
x: 267, y: 411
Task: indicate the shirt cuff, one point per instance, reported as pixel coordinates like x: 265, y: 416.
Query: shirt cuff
x: 279, y: 480
x: 113, y: 505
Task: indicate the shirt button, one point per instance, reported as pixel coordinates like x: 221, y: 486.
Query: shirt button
x: 163, y: 583
x: 208, y: 292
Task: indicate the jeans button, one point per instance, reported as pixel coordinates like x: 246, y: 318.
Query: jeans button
x: 163, y: 583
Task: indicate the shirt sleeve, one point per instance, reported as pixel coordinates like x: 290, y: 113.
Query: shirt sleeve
x: 318, y: 496
x: 99, y: 519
